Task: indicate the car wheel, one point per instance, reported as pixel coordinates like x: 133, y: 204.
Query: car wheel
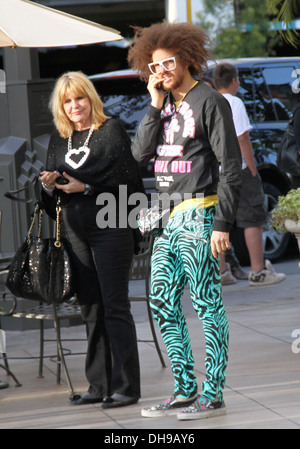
x: 274, y: 242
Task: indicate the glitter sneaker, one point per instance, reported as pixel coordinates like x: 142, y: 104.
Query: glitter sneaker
x: 168, y: 407
x: 202, y: 408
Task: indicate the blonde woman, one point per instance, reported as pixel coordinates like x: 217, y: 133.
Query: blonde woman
x: 89, y: 154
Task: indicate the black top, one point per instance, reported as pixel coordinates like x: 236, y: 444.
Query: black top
x: 189, y: 145
x: 109, y: 164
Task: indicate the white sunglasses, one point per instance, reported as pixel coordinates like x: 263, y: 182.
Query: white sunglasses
x: 166, y: 64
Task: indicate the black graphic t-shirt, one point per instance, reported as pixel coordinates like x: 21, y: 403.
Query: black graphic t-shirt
x: 195, y: 149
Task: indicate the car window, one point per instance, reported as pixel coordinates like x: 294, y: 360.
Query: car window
x: 279, y: 81
x: 273, y: 95
x: 126, y: 99
x: 263, y: 105
x: 254, y: 93
x: 245, y: 92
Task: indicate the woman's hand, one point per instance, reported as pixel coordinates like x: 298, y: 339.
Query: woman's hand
x: 219, y: 242
x: 73, y: 186
x: 48, y: 178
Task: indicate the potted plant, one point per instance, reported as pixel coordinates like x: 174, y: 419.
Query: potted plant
x: 286, y: 215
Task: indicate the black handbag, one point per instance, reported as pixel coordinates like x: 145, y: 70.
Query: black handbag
x: 288, y: 158
x: 40, y: 269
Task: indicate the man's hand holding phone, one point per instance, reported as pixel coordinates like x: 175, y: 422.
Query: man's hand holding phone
x: 155, y: 88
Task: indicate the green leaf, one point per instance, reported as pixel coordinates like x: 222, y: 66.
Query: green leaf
x: 288, y: 207
x: 287, y: 12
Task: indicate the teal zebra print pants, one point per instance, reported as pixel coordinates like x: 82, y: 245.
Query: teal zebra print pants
x: 181, y: 254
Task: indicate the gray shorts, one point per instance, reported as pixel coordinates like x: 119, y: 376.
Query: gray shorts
x: 252, y: 210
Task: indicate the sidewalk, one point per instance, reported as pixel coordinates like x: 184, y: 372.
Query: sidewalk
x: 263, y: 376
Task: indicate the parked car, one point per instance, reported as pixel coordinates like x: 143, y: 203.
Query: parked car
x: 267, y: 88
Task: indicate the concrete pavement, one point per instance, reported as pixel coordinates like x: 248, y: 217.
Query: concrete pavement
x: 263, y: 376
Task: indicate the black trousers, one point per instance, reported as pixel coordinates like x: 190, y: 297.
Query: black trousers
x: 101, y: 260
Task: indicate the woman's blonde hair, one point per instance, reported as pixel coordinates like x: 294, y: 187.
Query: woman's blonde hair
x: 75, y: 83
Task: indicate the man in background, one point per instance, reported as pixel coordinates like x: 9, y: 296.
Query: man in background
x: 252, y: 213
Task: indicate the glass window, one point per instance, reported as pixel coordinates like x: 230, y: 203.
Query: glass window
x: 245, y: 92
x: 263, y: 105
x: 279, y: 81
x: 126, y: 99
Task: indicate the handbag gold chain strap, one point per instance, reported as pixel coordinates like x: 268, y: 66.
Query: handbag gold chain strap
x: 39, y: 211
x: 57, y: 243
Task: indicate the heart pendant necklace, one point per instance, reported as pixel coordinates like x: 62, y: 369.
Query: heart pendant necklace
x: 77, y: 157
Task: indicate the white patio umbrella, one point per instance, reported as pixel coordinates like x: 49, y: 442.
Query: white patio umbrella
x: 24, y: 23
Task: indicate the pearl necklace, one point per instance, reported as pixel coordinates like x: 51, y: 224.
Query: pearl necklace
x: 85, y: 150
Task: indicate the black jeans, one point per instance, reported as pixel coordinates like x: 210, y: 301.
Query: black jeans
x: 101, y: 260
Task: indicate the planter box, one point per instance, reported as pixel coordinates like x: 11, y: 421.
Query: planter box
x: 294, y: 228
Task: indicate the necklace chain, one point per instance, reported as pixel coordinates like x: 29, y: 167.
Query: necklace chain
x: 87, y: 141
x: 83, y: 152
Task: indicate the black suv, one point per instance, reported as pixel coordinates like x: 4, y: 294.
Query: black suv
x: 268, y: 88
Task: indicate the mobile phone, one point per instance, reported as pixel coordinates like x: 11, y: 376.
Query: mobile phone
x: 61, y: 180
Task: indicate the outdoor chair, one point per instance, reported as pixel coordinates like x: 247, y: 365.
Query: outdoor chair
x: 5, y: 258
x: 4, y: 262
x: 141, y: 270
x: 42, y: 312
